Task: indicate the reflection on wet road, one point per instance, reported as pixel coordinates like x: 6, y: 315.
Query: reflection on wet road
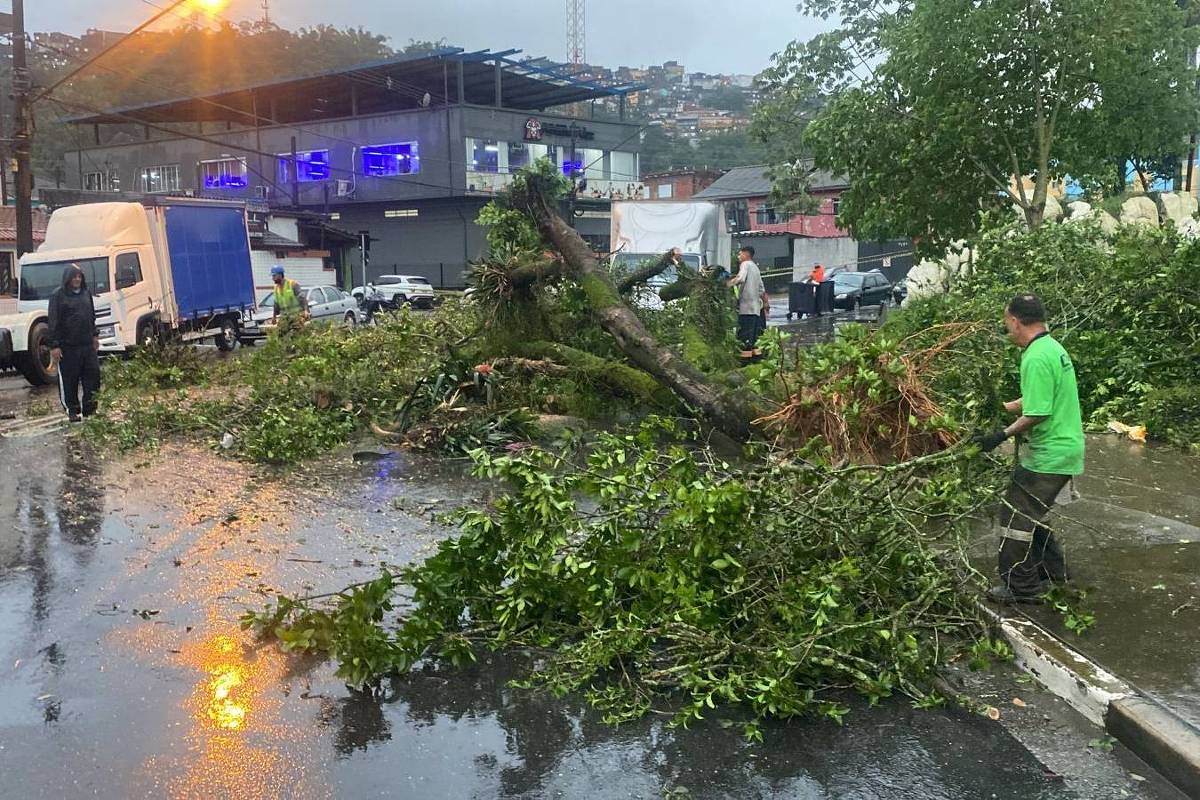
x: 124, y: 673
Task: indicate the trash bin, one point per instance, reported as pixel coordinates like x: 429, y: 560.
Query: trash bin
x: 824, y: 299
x: 801, y: 298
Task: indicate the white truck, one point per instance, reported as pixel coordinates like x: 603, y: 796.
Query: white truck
x: 178, y: 268
x: 645, y: 229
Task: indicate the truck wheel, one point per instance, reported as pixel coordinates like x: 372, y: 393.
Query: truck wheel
x: 227, y: 339
x: 34, y: 363
x: 147, y: 334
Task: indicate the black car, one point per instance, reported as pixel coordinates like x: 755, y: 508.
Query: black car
x: 854, y: 289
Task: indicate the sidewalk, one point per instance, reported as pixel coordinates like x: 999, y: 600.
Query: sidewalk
x: 1134, y: 542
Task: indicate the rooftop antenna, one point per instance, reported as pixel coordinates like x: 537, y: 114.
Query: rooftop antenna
x: 576, y: 33
x: 266, y: 7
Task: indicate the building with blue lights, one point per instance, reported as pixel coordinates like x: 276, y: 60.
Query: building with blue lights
x: 408, y: 149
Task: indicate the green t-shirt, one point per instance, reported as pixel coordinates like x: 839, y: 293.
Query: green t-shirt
x: 1048, y: 389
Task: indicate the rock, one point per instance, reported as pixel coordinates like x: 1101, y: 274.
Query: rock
x: 1078, y: 210
x: 1053, y: 211
x: 1108, y: 223
x: 1178, y: 207
x: 551, y: 426
x: 1139, y: 210
x: 227, y: 441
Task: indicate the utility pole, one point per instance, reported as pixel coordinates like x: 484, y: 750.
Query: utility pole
x: 22, y: 133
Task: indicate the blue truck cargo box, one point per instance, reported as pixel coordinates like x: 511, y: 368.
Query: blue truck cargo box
x: 210, y: 259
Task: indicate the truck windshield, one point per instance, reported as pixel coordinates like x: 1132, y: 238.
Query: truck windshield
x: 631, y: 261
x: 39, y: 280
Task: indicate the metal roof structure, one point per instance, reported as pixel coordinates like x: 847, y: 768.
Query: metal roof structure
x: 742, y: 182
x: 393, y: 84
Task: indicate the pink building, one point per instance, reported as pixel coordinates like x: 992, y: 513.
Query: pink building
x: 746, y: 192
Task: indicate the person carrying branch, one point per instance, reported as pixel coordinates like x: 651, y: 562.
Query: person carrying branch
x: 753, y: 303
x: 290, y: 304
x: 1049, y: 418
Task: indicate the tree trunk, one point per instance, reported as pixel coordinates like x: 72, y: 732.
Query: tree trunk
x: 729, y: 414
x: 645, y: 273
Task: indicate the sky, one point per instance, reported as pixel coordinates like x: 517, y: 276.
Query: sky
x: 718, y: 36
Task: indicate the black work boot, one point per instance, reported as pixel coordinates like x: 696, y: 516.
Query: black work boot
x: 1002, y: 595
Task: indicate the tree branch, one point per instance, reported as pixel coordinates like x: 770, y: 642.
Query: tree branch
x: 650, y: 270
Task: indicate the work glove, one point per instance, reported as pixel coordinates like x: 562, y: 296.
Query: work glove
x: 991, y: 440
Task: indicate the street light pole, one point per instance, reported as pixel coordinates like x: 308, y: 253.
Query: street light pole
x: 22, y: 133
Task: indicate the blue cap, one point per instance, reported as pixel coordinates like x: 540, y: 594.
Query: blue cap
x: 277, y: 270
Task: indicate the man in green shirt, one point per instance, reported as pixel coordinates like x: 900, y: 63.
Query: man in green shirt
x: 1048, y: 416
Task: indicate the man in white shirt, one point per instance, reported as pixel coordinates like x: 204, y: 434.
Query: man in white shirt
x: 753, y: 303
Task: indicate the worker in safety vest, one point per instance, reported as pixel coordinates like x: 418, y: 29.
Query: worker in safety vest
x: 289, y: 299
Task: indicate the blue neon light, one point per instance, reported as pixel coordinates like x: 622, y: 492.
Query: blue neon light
x: 572, y: 168
x: 391, y: 159
x: 224, y: 182
x: 312, y: 165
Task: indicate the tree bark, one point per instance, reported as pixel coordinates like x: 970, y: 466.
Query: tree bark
x: 729, y: 414
x: 648, y: 271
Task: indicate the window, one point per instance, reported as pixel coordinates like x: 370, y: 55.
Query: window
x: 392, y: 213
x: 311, y: 165
x: 39, y: 280
x: 765, y: 215
x: 837, y: 206
x: 161, y: 178
x: 332, y: 295
x: 483, y: 155
x: 665, y: 191
x: 129, y: 270
x: 519, y: 155
x: 101, y: 182
x: 391, y: 159
x: 223, y: 173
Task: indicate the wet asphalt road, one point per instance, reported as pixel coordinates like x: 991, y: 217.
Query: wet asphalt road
x: 124, y: 674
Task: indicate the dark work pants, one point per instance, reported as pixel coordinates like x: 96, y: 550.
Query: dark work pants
x: 749, y: 327
x: 80, y: 365
x: 1029, y: 552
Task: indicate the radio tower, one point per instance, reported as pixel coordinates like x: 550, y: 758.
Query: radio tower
x: 266, y: 7
x: 576, y: 33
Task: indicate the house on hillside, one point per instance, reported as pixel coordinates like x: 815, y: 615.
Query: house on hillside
x: 800, y: 241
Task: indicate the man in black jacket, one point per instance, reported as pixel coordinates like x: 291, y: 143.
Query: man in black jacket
x: 74, y: 344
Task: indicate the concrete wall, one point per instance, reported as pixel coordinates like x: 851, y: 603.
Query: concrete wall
x: 438, y: 243
x: 308, y: 271
x: 840, y: 253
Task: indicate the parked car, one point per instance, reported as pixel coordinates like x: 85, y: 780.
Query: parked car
x: 401, y: 289
x: 854, y: 289
x: 325, y: 304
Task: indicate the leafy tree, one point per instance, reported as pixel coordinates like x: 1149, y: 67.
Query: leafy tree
x: 931, y: 107
x: 159, y: 65
x: 726, y: 98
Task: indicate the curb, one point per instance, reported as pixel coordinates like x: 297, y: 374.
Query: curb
x: 1151, y: 731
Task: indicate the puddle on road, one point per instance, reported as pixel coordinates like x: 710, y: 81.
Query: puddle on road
x: 119, y: 596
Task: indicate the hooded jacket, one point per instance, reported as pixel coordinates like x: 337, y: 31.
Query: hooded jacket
x: 72, y: 316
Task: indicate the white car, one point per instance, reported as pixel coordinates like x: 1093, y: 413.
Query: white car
x: 325, y: 304
x: 401, y: 289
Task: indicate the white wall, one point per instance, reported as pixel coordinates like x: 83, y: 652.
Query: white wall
x: 306, y: 271
x: 840, y: 252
